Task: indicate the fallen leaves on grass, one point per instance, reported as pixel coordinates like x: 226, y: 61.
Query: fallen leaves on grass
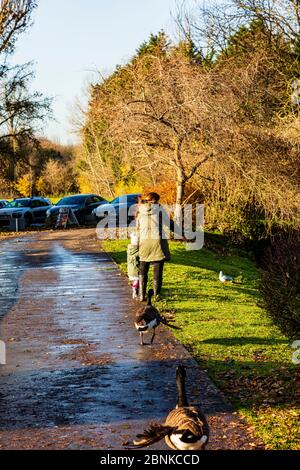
x: 280, y: 387
x: 280, y: 427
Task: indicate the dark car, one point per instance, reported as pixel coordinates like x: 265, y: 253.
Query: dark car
x: 26, y: 210
x: 121, y: 208
x: 82, y: 206
x: 3, y: 203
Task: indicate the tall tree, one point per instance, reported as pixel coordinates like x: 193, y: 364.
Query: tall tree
x: 220, y: 122
x: 158, y: 111
x: 22, y: 112
x: 15, y: 17
x: 211, y: 24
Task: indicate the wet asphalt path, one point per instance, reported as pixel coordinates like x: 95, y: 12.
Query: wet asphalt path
x: 76, y: 376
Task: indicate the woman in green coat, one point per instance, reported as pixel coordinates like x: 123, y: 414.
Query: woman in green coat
x: 153, y: 240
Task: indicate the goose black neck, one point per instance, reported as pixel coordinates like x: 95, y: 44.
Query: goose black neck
x: 180, y: 382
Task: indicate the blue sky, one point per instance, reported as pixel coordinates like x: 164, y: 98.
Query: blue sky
x: 72, y: 38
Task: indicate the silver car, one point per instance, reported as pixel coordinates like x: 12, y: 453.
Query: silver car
x: 22, y: 212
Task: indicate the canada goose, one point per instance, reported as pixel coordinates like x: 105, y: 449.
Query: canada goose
x: 148, y: 318
x: 185, y: 428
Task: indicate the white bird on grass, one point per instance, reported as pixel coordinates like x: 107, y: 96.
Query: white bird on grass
x: 224, y: 278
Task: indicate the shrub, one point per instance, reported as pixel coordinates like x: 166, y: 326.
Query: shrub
x: 85, y: 184
x: 167, y: 192
x: 130, y: 187
x: 280, y: 284
x: 24, y: 185
x: 58, y: 178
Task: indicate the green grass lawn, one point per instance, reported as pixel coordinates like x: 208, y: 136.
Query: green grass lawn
x: 231, y: 336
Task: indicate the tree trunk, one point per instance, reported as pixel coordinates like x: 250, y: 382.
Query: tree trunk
x: 180, y: 183
x: 14, y: 148
x: 13, y: 166
x: 108, y: 185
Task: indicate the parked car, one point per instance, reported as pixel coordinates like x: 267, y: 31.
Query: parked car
x: 3, y: 203
x: 118, y: 208
x: 27, y: 210
x: 82, y: 206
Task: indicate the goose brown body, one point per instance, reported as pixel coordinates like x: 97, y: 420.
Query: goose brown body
x: 147, y: 315
x: 187, y: 418
x: 148, y: 318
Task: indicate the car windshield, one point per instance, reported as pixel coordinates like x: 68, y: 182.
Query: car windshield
x: 130, y: 198
x: 71, y: 200
x: 19, y: 203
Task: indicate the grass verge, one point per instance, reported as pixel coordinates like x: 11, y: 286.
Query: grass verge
x: 231, y: 337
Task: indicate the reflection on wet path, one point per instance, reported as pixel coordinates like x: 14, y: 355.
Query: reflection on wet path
x: 11, y: 267
x: 74, y: 358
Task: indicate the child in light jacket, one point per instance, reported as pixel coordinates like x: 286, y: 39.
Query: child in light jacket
x: 133, y: 262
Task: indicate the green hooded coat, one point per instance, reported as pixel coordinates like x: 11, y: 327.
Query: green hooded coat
x: 153, y: 240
